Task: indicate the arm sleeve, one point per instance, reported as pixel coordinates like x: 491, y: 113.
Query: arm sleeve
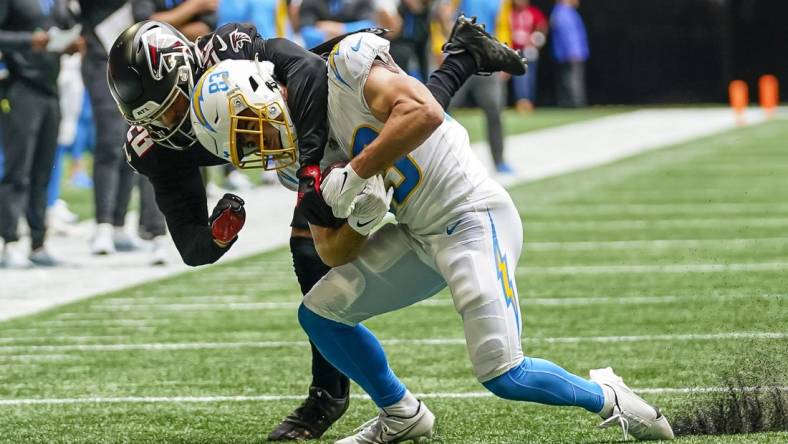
x: 180, y: 195
x: 304, y: 75
x: 10, y: 40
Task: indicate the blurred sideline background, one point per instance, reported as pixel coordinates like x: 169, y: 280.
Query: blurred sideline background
x: 649, y: 176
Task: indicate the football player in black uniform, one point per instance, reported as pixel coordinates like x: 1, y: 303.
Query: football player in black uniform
x: 152, y: 69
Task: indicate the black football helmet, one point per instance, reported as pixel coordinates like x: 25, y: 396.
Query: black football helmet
x: 151, y: 74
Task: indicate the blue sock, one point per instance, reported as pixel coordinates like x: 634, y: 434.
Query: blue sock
x: 538, y: 380
x: 357, y: 353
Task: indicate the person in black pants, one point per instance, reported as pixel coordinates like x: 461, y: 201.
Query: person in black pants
x: 30, y: 127
x: 113, y: 179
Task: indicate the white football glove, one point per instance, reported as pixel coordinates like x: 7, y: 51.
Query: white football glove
x: 339, y: 188
x: 370, y: 207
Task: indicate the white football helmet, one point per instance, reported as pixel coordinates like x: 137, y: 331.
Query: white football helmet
x: 239, y: 114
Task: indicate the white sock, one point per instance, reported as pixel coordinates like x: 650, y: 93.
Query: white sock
x: 610, y: 401
x: 405, y: 407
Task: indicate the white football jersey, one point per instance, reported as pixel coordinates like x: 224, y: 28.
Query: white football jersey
x: 434, y: 180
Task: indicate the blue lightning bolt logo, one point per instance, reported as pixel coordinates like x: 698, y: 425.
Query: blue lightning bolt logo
x: 502, y: 270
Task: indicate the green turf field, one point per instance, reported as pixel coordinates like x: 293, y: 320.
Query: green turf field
x: 672, y: 267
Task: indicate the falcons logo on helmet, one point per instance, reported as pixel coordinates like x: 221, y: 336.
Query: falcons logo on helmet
x: 163, y: 51
x: 237, y: 39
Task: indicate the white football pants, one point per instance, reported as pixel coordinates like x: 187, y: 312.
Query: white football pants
x: 476, y: 255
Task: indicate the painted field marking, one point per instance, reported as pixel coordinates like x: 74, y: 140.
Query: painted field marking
x: 436, y: 302
x: 274, y: 398
x: 655, y: 208
x: 167, y: 346
x: 652, y: 244
x: 676, y: 268
x: 633, y: 224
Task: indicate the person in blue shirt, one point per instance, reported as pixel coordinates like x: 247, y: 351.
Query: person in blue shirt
x: 269, y: 16
x: 322, y: 20
x: 570, y: 50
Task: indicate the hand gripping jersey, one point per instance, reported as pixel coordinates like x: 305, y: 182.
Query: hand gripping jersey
x: 431, y: 182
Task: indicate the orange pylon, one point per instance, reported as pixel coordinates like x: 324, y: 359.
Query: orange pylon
x: 769, y: 94
x: 740, y: 98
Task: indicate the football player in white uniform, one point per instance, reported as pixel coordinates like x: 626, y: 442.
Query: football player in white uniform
x: 456, y: 227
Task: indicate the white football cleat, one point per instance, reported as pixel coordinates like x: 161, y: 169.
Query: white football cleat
x: 15, y: 256
x: 630, y: 411
x: 385, y: 428
x: 159, y: 252
x: 102, y: 243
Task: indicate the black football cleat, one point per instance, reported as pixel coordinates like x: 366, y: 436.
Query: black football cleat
x: 312, y: 418
x: 490, y: 54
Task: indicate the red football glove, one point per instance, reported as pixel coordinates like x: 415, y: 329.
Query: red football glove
x: 227, y: 219
x: 309, y: 178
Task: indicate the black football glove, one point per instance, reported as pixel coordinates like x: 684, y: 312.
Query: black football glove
x: 227, y: 219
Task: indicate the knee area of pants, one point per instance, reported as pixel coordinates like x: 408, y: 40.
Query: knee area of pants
x: 311, y: 321
x: 490, y: 357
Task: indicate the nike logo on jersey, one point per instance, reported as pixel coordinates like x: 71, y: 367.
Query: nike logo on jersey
x: 364, y: 224
x: 450, y: 229
x: 358, y: 45
x: 344, y: 179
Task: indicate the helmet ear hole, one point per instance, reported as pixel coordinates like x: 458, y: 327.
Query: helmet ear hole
x: 253, y: 83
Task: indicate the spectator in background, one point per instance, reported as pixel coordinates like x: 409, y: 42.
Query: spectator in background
x: 30, y: 126
x: 113, y: 178
x: 570, y: 50
x: 193, y: 18
x: 72, y: 94
x: 410, y: 37
x: 270, y: 17
x: 529, y: 31
x: 323, y: 20
x: 487, y: 91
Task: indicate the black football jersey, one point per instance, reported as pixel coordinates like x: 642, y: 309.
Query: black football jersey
x: 175, y: 175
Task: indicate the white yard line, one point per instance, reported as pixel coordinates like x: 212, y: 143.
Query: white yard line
x: 437, y: 302
x: 534, y: 156
x: 656, y: 244
x: 636, y: 224
x: 592, y: 209
x: 275, y: 398
x: 171, y: 346
x: 678, y: 268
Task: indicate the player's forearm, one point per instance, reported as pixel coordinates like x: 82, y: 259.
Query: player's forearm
x: 196, y: 245
x: 337, y: 246
x: 11, y: 40
x: 408, y: 126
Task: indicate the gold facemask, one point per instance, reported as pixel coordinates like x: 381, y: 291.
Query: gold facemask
x: 260, y: 154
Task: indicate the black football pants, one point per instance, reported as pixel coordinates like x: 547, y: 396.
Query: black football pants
x: 113, y: 178
x: 29, y: 139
